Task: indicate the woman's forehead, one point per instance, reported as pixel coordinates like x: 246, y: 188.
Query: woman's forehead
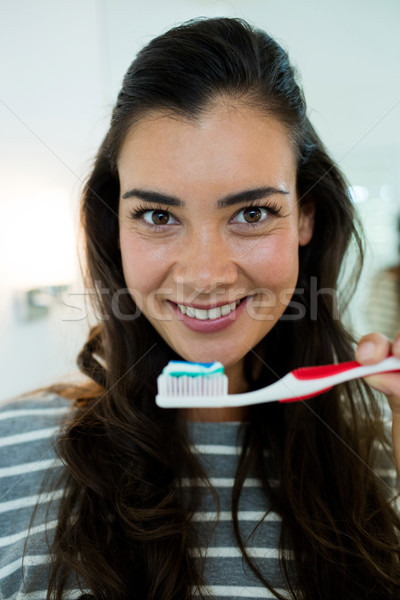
x: 225, y: 139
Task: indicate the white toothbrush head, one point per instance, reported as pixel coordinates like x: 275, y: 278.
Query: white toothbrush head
x: 181, y: 379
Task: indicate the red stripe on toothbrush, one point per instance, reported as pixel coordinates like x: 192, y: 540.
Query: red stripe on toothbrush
x: 324, y: 370
x: 307, y: 396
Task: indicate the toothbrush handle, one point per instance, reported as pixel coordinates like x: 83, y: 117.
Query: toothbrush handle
x: 333, y: 374
x: 322, y: 371
x: 387, y: 365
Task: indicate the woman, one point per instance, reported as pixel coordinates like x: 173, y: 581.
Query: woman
x: 216, y: 225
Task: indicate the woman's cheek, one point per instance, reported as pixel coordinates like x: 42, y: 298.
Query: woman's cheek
x: 142, y: 266
x: 274, y: 263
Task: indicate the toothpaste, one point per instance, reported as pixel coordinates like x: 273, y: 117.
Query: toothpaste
x: 177, y: 368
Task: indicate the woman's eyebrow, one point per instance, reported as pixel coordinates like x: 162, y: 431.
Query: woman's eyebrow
x: 150, y: 196
x: 249, y: 196
x: 230, y: 200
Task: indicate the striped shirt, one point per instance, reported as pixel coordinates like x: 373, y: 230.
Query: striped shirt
x: 28, y: 428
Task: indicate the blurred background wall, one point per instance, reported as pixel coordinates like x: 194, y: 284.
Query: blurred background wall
x: 62, y: 63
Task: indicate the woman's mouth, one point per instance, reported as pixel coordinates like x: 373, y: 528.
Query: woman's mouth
x: 211, y: 314
x: 207, y: 320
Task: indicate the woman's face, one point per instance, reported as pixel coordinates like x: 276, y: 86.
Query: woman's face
x: 210, y: 226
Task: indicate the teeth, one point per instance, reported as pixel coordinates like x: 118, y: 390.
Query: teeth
x: 225, y: 310
x: 213, y: 313
x: 190, y: 311
x: 201, y: 314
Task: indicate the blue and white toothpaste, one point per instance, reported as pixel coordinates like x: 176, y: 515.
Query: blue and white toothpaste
x: 178, y: 368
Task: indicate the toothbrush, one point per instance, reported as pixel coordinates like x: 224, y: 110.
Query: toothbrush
x: 204, y: 385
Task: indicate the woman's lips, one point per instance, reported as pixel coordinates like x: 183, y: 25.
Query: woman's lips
x: 210, y: 325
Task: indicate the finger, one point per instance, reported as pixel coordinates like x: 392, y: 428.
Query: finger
x: 372, y: 348
x: 387, y: 383
x: 396, y: 345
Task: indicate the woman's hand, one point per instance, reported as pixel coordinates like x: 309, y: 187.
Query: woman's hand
x: 371, y: 349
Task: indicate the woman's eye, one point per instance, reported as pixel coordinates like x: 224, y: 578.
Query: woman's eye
x: 158, y: 217
x: 251, y: 214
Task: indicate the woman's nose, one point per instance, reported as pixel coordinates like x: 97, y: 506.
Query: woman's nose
x: 205, y: 263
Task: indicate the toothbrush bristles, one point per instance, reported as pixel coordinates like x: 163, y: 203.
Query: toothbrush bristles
x: 185, y: 385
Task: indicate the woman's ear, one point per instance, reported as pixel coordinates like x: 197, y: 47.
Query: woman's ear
x: 306, y: 222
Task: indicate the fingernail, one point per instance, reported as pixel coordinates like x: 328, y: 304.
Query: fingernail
x: 366, y: 351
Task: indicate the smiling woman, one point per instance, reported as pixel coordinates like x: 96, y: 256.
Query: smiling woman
x: 216, y: 226
x: 232, y: 239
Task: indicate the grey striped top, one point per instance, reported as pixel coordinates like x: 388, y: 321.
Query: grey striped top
x: 27, y: 431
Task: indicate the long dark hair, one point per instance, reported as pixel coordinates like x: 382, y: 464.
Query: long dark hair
x: 131, y: 530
